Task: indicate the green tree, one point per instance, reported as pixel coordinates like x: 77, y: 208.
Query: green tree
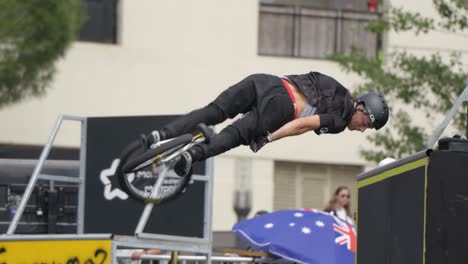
x: 427, y: 83
x: 33, y: 35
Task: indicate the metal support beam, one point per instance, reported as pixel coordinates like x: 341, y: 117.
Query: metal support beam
x: 134, y: 242
x: 448, y: 117
x: 194, y: 240
x: 59, y: 178
x: 48, y: 237
x: 73, y: 118
x: 34, y: 178
x: 204, y: 259
x: 82, y: 176
x: 208, y: 223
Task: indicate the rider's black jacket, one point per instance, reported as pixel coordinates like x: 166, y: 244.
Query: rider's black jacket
x: 333, y: 101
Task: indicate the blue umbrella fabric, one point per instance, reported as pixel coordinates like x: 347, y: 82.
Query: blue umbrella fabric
x: 302, y: 236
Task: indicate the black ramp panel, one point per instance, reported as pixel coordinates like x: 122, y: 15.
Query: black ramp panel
x: 106, y: 137
x: 373, y: 222
x: 407, y: 217
x: 447, y: 212
x: 172, y: 218
x: 391, y: 219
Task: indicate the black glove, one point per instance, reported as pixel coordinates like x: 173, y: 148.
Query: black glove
x: 259, y: 142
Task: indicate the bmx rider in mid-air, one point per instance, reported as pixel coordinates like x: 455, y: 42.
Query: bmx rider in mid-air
x: 274, y: 108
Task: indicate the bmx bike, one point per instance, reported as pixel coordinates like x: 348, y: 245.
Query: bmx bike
x: 147, y: 174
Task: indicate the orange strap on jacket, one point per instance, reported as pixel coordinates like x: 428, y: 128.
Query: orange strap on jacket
x: 291, y: 94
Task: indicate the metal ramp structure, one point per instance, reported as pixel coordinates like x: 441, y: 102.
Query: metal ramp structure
x: 59, y: 178
x: 141, y: 240
x: 423, y: 185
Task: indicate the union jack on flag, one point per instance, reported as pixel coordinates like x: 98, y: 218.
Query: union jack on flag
x: 348, y: 235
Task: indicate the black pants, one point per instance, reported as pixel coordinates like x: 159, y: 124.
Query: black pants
x: 262, y: 98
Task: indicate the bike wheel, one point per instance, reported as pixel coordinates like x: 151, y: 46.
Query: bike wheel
x: 139, y: 184
x: 152, y: 153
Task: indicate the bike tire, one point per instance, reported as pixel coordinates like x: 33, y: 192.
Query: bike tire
x: 151, y: 153
x: 127, y: 186
x: 130, y: 149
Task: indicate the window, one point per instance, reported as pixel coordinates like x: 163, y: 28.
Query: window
x: 100, y: 21
x: 289, y: 28
x: 302, y: 185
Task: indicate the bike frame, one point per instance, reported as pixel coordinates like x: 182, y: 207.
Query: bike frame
x: 163, y: 164
x: 173, y: 152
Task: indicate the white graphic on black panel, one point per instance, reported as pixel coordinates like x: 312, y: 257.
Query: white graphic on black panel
x: 109, y: 182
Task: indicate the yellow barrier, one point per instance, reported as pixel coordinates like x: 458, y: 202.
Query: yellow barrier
x: 56, y: 251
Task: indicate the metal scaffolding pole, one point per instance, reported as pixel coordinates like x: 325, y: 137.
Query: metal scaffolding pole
x: 448, y: 117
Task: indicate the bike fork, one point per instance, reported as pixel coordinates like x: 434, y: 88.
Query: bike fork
x: 149, y: 206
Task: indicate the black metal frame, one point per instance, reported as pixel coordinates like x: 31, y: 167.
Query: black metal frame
x: 110, y: 27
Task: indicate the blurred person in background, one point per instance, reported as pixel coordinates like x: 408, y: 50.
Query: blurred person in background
x: 339, y: 204
x: 261, y: 212
x: 136, y: 256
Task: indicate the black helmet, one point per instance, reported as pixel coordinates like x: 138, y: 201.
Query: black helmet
x: 375, y: 106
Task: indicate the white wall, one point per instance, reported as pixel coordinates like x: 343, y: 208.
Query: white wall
x: 441, y: 41
x: 224, y: 181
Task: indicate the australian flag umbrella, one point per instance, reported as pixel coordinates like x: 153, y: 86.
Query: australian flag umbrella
x: 303, y: 236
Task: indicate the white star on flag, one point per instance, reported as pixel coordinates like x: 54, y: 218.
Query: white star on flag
x: 269, y: 225
x: 292, y: 224
x: 306, y: 230
x: 319, y: 224
x: 298, y: 215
